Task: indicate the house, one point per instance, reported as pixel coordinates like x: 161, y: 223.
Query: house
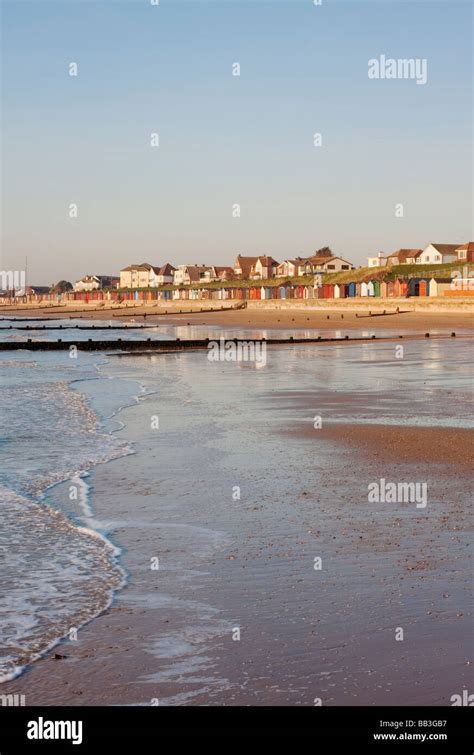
x: 379, y: 261
x: 223, y: 273
x: 404, y: 257
x: 465, y: 252
x: 264, y: 267
x: 138, y: 276
x: 324, y: 264
x: 164, y: 274
x: 289, y: 268
x: 184, y: 275
x: 438, y: 254
x: 243, y: 266
x: 95, y: 282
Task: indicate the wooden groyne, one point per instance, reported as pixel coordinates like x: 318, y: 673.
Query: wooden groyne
x: 77, y: 327
x: 195, y: 311
x: 178, y: 344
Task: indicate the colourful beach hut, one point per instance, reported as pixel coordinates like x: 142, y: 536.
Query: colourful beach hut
x: 424, y: 288
x: 351, y: 289
x: 376, y: 285
x: 414, y: 287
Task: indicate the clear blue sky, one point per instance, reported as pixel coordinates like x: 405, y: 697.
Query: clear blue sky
x: 226, y: 139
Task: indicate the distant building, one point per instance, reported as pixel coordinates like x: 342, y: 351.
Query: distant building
x: 243, y: 266
x: 138, y: 276
x: 379, y: 261
x: 289, y: 268
x: 324, y: 264
x: 164, y: 274
x: 438, y: 254
x: 404, y: 257
x: 465, y: 252
x: 184, y: 275
x: 222, y: 273
x: 264, y: 267
x: 95, y: 282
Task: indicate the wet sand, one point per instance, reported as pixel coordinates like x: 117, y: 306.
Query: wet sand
x: 329, y: 634
x: 407, y: 444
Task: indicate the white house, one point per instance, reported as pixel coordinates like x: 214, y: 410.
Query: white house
x: 289, y: 268
x: 184, y: 275
x: 438, y: 254
x: 379, y: 261
x: 138, y: 276
x: 95, y: 282
x: 164, y: 274
x: 324, y: 264
x: 264, y: 267
x: 87, y: 283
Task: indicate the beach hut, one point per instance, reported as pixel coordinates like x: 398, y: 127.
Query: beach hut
x: 351, y: 289
x: 337, y: 291
x: 370, y: 288
x: 439, y: 285
x: 376, y: 285
x: 384, y: 289
x: 364, y: 289
x: 424, y: 288
x: 414, y: 287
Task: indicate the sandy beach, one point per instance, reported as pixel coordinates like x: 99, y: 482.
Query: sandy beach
x: 249, y: 564
x: 261, y: 317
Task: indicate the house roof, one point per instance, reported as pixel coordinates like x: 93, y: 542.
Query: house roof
x: 167, y: 269
x: 324, y: 260
x: 294, y: 262
x: 445, y: 248
x: 226, y: 269
x: 245, y: 264
x: 266, y: 261
x: 143, y: 266
x: 403, y: 254
x: 467, y: 247
x: 194, y: 271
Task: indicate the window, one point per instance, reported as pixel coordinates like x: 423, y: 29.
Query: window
x: 462, y: 254
x: 331, y: 267
x: 345, y: 267
x: 437, y: 258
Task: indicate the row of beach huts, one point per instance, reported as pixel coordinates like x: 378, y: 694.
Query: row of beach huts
x: 374, y: 288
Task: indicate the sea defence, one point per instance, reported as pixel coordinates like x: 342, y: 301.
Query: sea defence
x: 178, y: 344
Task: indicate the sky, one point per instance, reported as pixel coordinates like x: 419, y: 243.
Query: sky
x: 227, y: 140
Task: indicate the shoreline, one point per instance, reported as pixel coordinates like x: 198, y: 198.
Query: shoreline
x: 170, y: 639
